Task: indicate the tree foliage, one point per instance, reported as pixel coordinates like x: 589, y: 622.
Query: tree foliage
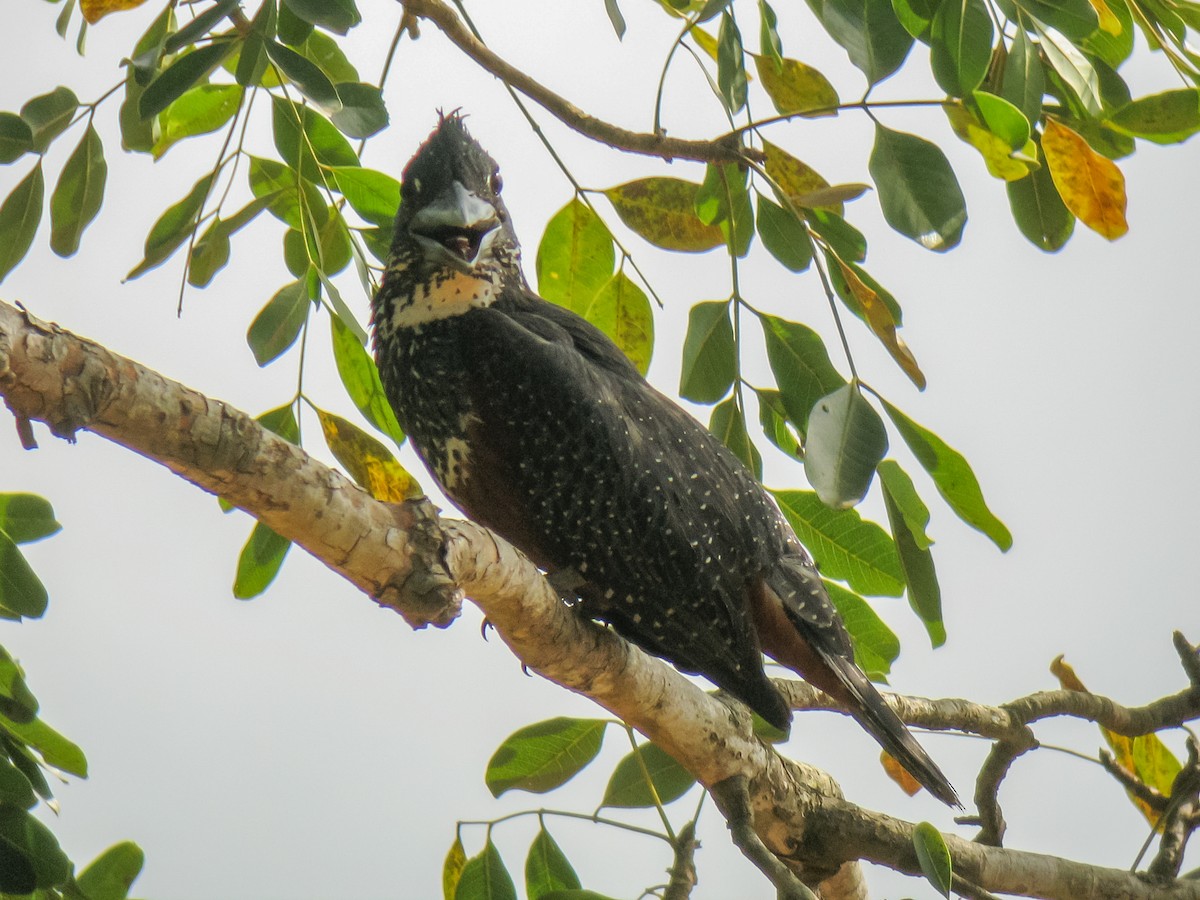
x: 1034, y: 87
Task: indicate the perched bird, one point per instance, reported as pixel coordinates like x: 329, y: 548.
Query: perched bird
x: 536, y: 425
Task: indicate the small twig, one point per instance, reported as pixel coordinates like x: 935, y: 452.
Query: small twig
x: 1144, y: 792
x: 683, y: 869
x: 733, y: 799
x: 967, y: 889
x: 725, y: 150
x: 1189, y: 657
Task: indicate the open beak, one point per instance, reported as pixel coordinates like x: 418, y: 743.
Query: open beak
x: 455, y: 228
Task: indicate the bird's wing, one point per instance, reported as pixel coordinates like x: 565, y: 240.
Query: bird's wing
x: 624, y: 487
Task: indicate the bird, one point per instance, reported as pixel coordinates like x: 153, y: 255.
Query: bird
x: 537, y: 426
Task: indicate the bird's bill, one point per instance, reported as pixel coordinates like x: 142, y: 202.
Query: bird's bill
x: 456, y: 228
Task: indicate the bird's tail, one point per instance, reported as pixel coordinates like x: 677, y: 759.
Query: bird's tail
x: 872, y: 713
x: 798, y: 626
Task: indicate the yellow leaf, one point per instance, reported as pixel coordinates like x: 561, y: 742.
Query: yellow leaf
x: 1146, y: 757
x: 1091, y: 185
x: 880, y: 320
x: 798, y: 88
x: 1108, y: 19
x: 997, y: 155
x: 452, y: 868
x: 369, y: 463
x: 899, y: 774
x: 796, y: 178
x: 95, y: 10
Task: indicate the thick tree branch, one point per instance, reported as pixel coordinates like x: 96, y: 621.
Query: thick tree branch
x: 726, y: 150
x: 407, y: 560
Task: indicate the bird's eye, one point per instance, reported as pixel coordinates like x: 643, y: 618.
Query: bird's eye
x: 496, y: 183
x: 410, y: 188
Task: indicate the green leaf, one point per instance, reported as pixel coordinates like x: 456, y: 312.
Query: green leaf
x: 327, y: 53
x: 709, y: 354
x: 292, y: 29
x: 723, y: 200
x: 1039, y: 211
x: 1112, y: 42
x: 924, y: 593
x: 278, y: 324
x: 934, y: 857
x: 916, y: 16
x: 846, y: 240
x: 27, y: 517
x: 281, y: 421
x: 172, y: 228
x: 845, y: 442
x: 484, y: 877
x: 452, y: 868
x: 869, y: 32
x: 15, y: 789
x: 1003, y: 119
x: 48, y: 115
x: 728, y: 424
x: 919, y: 194
x: 774, y: 420
x: 20, y: 215
x: 801, y: 365
x: 731, y: 64
x: 952, y: 475
x: 1024, y: 81
x: 307, y: 141
x: 1074, y: 18
x: 16, y: 700
x: 363, y: 111
x: 77, y: 196
x: 373, y: 195
x: 797, y: 180
x: 198, y: 27
x: 783, y: 235
x: 899, y: 487
x: 663, y: 211
x: 259, y: 562
x: 200, y: 110
x: 768, y: 35
x: 795, y: 87
x: 540, y: 757
x: 621, y: 310
x: 615, y: 18
x: 875, y: 645
x: 361, y: 380
x: 57, y: 750
x: 627, y: 788
x: 112, y: 873
x: 252, y: 60
x: 844, y: 545
x: 575, y: 258
x: 137, y: 134
x: 30, y: 857
x: 1167, y: 118
x: 209, y: 255
x: 306, y: 75
x: 960, y: 45
x: 184, y: 72
x: 547, y: 868
x: 24, y: 760
x: 1076, y: 72
x: 21, y: 592
x: 16, y: 137
x: 334, y: 15
x: 290, y: 198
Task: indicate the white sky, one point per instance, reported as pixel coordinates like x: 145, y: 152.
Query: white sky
x: 308, y: 745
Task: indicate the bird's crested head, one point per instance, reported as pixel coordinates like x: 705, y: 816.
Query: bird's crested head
x: 453, y: 247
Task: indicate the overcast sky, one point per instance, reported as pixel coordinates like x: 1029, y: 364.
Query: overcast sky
x: 309, y: 745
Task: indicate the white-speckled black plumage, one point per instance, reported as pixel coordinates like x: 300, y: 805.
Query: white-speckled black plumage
x: 539, y: 427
